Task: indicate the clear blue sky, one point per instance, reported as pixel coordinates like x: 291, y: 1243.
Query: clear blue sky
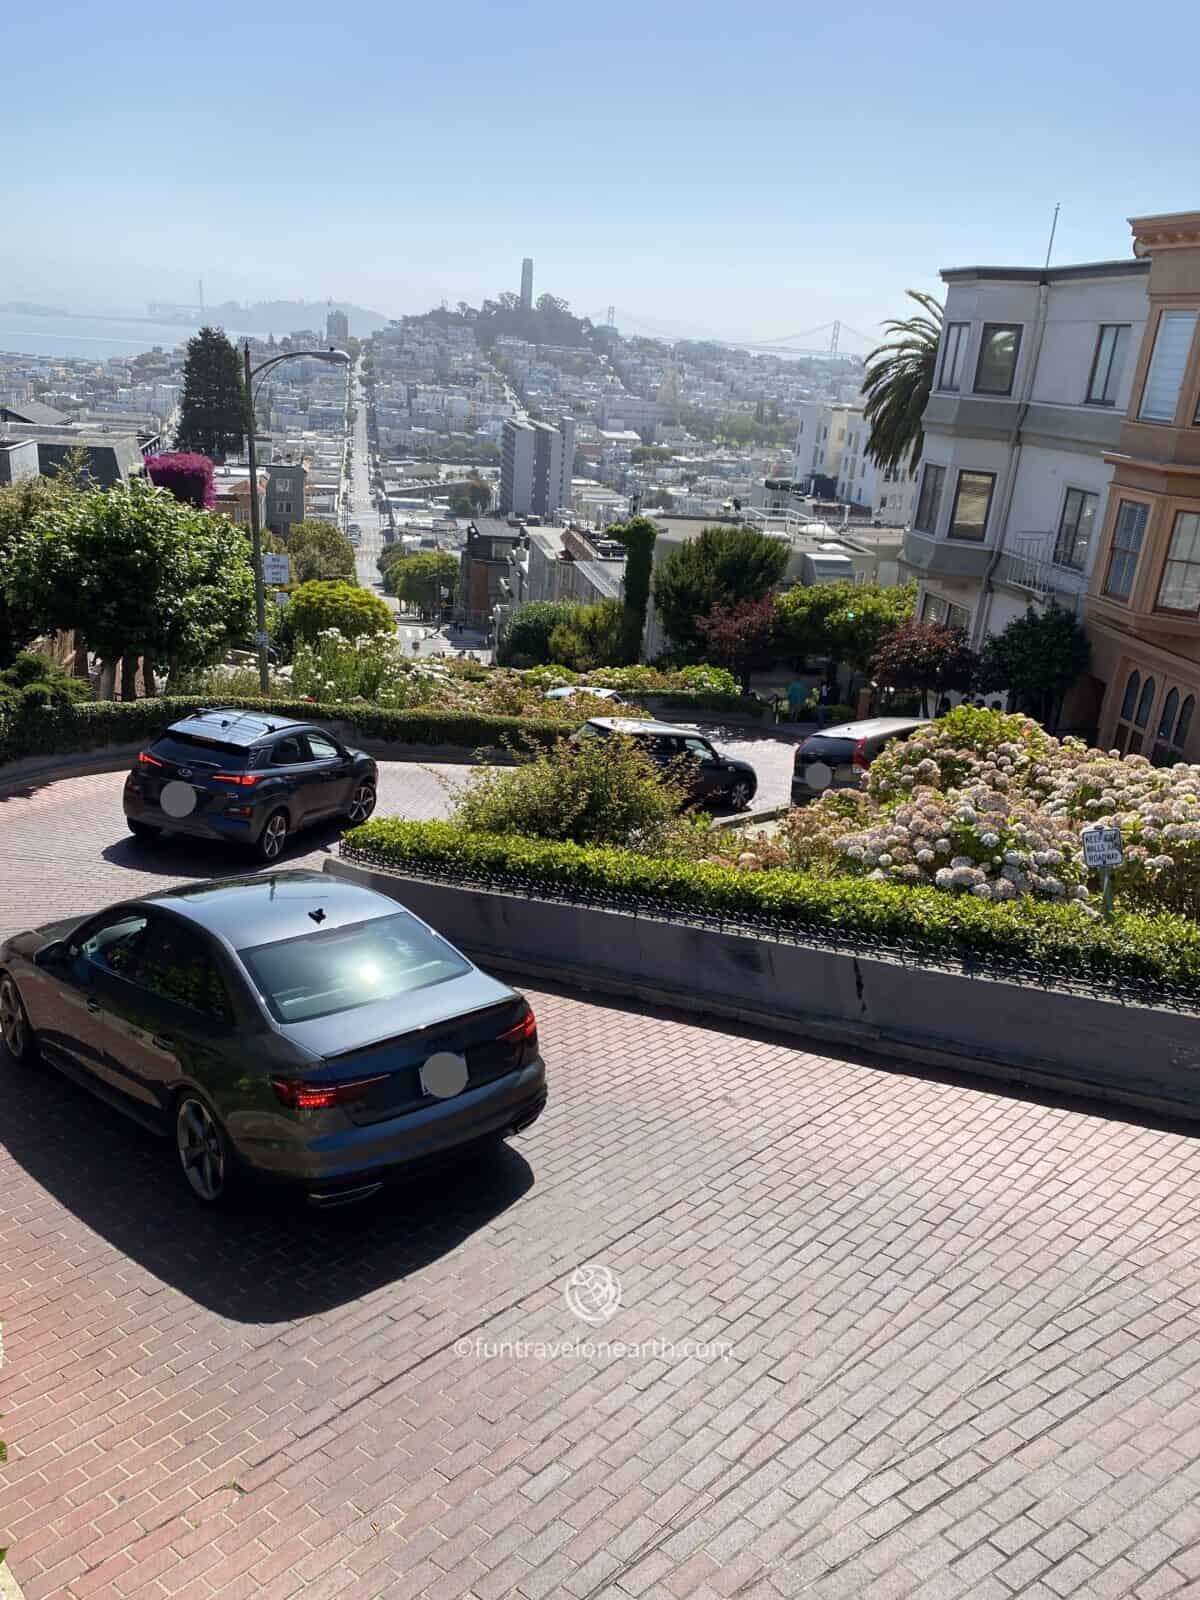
x: 745, y: 171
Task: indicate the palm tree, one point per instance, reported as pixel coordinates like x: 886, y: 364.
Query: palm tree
x: 897, y: 383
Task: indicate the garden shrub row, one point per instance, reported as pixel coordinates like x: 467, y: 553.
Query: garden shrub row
x: 1155, y: 955
x: 61, y: 729
x: 682, y: 702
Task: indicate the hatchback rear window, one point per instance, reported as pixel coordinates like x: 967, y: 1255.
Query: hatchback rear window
x: 317, y: 973
x: 833, y: 752
x: 192, y: 750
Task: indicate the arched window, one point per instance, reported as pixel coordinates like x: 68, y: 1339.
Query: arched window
x: 1142, y: 715
x: 1184, y: 725
x: 1170, y: 710
x: 1173, y: 729
x: 1131, y: 694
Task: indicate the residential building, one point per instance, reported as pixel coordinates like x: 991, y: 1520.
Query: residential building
x: 1143, y: 601
x: 485, y: 566
x: 536, y: 463
x: 34, y: 412
x: 527, y: 284
x: 821, y: 438
x: 1035, y: 369
x: 285, y: 495
x: 18, y: 459
x: 516, y: 467
x: 337, y: 329
x: 232, y: 488
x: 108, y: 458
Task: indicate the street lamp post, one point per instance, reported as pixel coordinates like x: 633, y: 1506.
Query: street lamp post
x: 260, y: 599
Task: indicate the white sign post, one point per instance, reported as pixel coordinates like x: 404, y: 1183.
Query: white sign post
x: 276, y: 568
x: 1103, y: 849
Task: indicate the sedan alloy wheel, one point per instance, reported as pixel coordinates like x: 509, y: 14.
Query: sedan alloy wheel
x: 14, y: 1025
x: 201, y: 1148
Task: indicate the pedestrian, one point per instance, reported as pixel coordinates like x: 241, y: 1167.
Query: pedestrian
x: 797, y: 698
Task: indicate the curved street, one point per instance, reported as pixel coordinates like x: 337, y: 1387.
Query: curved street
x: 863, y: 1331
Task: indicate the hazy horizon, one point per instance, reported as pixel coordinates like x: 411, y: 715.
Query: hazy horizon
x: 744, y: 181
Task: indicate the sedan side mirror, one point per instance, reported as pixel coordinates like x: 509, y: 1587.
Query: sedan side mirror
x: 52, y: 954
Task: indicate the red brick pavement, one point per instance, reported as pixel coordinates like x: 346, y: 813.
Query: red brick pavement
x: 962, y: 1328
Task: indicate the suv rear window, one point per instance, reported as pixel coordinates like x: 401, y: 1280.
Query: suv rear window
x: 833, y: 752
x: 193, y: 750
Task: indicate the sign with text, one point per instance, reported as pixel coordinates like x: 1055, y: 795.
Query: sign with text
x: 1102, y: 846
x: 276, y: 568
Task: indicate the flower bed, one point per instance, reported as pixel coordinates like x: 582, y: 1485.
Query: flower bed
x: 1155, y: 956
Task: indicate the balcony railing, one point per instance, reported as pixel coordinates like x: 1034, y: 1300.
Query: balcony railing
x: 1028, y: 564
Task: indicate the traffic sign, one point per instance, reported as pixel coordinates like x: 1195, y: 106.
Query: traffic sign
x: 1102, y: 846
x: 276, y: 568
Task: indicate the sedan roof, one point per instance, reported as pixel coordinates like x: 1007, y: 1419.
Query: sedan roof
x: 231, y: 726
x: 274, y: 905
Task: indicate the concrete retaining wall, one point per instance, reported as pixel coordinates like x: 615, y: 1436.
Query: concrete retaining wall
x: 1100, y: 1048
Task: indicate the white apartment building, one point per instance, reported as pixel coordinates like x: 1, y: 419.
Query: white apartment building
x: 1032, y: 382
x: 821, y: 438
x: 537, y: 460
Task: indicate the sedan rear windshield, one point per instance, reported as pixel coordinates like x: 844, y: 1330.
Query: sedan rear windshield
x: 318, y: 973
x: 833, y: 752
x: 193, y: 750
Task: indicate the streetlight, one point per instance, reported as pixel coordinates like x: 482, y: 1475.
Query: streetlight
x: 338, y: 357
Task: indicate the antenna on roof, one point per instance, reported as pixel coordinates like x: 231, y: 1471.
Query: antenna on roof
x: 1053, y: 230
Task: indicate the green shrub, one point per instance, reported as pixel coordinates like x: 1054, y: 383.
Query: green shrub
x: 1053, y: 940
x: 35, y: 680
x: 348, y: 607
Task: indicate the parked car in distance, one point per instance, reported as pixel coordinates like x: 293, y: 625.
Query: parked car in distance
x: 836, y: 758
x: 246, y: 776
x: 569, y: 691
x: 714, y: 779
x: 286, y: 1028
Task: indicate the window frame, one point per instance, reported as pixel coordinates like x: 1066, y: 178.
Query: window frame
x: 952, y: 382
x: 1058, y: 558
x: 970, y: 538
x: 1007, y: 327
x: 1164, y: 316
x: 1116, y: 329
x: 1115, y: 550
x: 931, y: 528
x: 1169, y: 560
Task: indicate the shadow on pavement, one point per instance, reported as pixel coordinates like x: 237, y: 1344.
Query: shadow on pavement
x: 180, y: 856
x: 273, y: 1260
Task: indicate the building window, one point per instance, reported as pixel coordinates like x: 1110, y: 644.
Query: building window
x: 1108, y: 364
x: 1075, y: 529
x: 1128, y: 533
x: 972, y: 501
x: 998, y: 352
x: 930, y: 501
x: 954, y: 343
x: 1172, y: 343
x: 1135, y: 714
x: 1179, y: 588
x: 935, y: 609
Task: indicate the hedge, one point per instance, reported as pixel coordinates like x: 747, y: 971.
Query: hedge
x: 702, y: 700
x: 1154, y: 957
x: 59, y: 730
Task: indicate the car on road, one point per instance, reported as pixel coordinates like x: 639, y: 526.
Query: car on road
x: 569, y: 691
x: 248, y: 777
x: 712, y: 778
x: 838, y: 757
x: 288, y: 1028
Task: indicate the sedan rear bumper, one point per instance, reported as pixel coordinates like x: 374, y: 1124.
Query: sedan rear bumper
x: 354, y: 1156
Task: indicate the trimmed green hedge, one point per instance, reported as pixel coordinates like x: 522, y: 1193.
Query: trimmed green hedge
x: 682, y: 701
x: 1043, y: 940
x: 59, y: 730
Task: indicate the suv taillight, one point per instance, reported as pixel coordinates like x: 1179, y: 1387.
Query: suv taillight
x: 145, y: 759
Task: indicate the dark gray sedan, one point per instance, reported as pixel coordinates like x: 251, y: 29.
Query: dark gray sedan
x: 287, y: 1027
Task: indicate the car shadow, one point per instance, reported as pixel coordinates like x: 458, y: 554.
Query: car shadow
x: 181, y: 856
x: 273, y: 1259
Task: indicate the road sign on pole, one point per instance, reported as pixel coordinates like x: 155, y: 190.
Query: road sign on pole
x: 1103, y: 849
x: 276, y: 568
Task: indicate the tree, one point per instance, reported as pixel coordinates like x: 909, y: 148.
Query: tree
x: 717, y: 568
x: 842, y: 621
x: 1037, y: 658
x: 590, y: 638
x: 187, y: 476
x: 138, y: 573
x: 419, y: 579
x: 897, y: 383
x: 215, y: 411
x: 318, y: 550
x: 922, y: 656
x: 527, y: 640
x: 21, y: 505
x: 351, y: 609
x: 638, y: 536
x: 740, y: 636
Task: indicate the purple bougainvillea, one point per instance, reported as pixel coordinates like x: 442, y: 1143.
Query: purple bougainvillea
x: 188, y: 477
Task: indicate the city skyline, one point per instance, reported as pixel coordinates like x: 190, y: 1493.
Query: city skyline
x: 740, y: 185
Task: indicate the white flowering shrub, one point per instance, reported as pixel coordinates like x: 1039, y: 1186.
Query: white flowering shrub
x: 990, y: 805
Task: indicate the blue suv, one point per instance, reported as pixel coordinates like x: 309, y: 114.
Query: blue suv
x: 246, y: 776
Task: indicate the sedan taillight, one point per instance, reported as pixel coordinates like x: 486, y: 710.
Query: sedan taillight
x: 859, y: 758
x: 523, y: 1036
x: 298, y: 1095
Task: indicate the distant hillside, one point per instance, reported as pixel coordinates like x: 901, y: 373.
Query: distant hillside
x: 288, y: 316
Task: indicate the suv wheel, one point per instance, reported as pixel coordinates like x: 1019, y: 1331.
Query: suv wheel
x: 741, y: 793
x: 362, y: 802
x: 274, y: 836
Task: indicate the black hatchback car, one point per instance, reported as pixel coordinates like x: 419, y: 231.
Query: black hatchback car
x: 246, y: 776
x: 288, y: 1028
x: 713, y: 779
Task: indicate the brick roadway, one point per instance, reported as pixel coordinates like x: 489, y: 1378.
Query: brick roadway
x: 962, y: 1331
